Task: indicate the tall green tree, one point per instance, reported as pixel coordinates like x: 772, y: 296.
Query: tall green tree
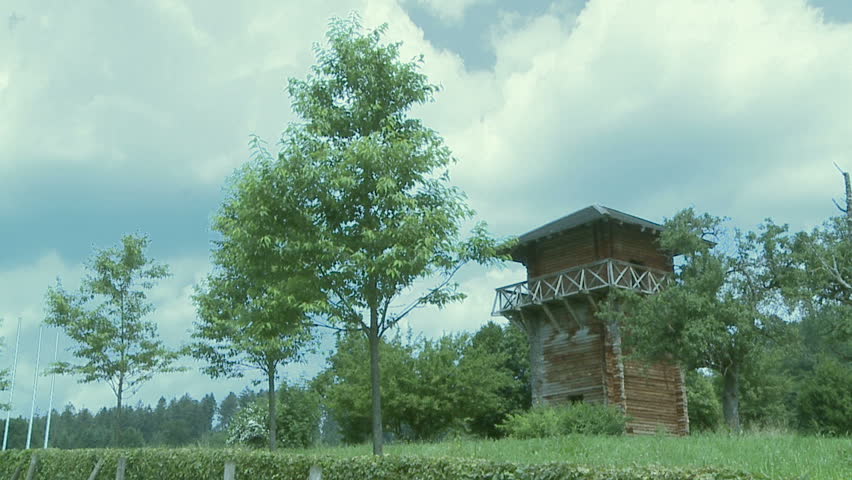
x: 720, y: 311
x: 106, y: 319
x: 360, y: 193
x: 252, y: 313
x: 227, y: 408
x: 820, y: 285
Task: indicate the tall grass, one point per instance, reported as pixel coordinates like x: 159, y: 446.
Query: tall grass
x: 778, y: 455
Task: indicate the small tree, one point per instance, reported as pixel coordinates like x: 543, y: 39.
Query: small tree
x: 360, y: 193
x: 251, y: 310
x: 106, y: 320
x: 720, y: 310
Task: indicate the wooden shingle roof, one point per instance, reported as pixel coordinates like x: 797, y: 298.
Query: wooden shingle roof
x: 583, y: 216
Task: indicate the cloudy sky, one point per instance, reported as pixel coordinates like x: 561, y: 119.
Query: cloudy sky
x: 120, y: 117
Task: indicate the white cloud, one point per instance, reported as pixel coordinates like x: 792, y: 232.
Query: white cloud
x: 450, y: 11
x: 651, y: 106
x: 646, y: 105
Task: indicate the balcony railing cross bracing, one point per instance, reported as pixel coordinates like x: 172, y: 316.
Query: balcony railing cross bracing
x: 608, y: 273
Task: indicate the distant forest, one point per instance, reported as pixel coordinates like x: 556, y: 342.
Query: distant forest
x: 180, y: 421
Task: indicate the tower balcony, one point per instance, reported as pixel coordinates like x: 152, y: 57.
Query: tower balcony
x: 603, y: 274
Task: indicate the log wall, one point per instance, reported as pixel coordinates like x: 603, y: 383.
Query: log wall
x: 575, y: 357
x: 590, y: 243
x: 655, y: 398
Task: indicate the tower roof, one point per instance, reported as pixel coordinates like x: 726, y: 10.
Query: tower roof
x: 583, y: 216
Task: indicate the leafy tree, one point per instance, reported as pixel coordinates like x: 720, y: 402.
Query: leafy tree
x: 824, y: 404
x: 299, y: 416
x: 705, y: 411
x: 721, y: 310
x: 768, y: 385
x: 345, y: 385
x: 511, y: 344
x: 106, y: 319
x: 227, y: 408
x: 437, y: 387
x: 360, y: 193
x: 251, y: 309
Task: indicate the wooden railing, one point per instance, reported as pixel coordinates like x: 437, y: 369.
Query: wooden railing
x: 608, y: 273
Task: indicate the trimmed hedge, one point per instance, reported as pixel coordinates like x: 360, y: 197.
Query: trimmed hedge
x: 198, y: 464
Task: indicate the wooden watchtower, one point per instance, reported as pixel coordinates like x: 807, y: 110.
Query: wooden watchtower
x: 571, y: 265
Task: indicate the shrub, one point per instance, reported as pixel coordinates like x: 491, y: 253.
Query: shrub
x: 825, y: 400
x: 705, y: 409
x: 298, y: 413
x: 198, y: 464
x: 550, y: 421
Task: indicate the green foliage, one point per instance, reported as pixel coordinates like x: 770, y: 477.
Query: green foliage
x: 510, y: 343
x: 722, y: 309
x: 227, y: 410
x: 359, y: 194
x: 768, y: 388
x: 544, y: 421
x: 431, y: 388
x: 705, y: 410
x: 298, y: 420
x: 209, y: 464
x: 106, y: 321
x: 180, y: 421
x: 253, y: 308
x: 825, y: 401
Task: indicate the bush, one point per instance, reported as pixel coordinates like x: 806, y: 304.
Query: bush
x: 705, y: 409
x: 550, y: 421
x: 298, y: 413
x: 825, y: 400
x: 197, y: 464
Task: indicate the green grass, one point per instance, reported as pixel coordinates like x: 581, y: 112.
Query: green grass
x: 775, y: 455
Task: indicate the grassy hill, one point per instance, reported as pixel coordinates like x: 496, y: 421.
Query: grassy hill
x: 775, y: 455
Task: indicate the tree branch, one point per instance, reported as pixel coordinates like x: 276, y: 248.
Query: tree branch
x: 419, y: 301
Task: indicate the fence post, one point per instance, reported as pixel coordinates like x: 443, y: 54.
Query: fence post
x: 230, y: 470
x: 32, y: 470
x: 119, y: 471
x: 315, y: 473
x: 97, y: 469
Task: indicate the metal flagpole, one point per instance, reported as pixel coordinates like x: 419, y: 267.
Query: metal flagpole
x: 12, y: 387
x: 52, y: 383
x: 35, y: 384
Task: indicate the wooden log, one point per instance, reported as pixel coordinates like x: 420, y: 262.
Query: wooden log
x: 230, y: 471
x: 119, y: 471
x: 96, y: 469
x: 31, y: 472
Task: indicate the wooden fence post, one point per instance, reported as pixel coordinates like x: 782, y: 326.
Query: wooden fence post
x: 97, y: 469
x: 230, y: 471
x: 119, y: 471
x: 31, y: 472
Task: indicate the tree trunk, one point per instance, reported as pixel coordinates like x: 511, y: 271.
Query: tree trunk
x: 848, y: 186
x: 119, y: 394
x: 731, y: 398
x: 375, y: 382
x: 271, y: 421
